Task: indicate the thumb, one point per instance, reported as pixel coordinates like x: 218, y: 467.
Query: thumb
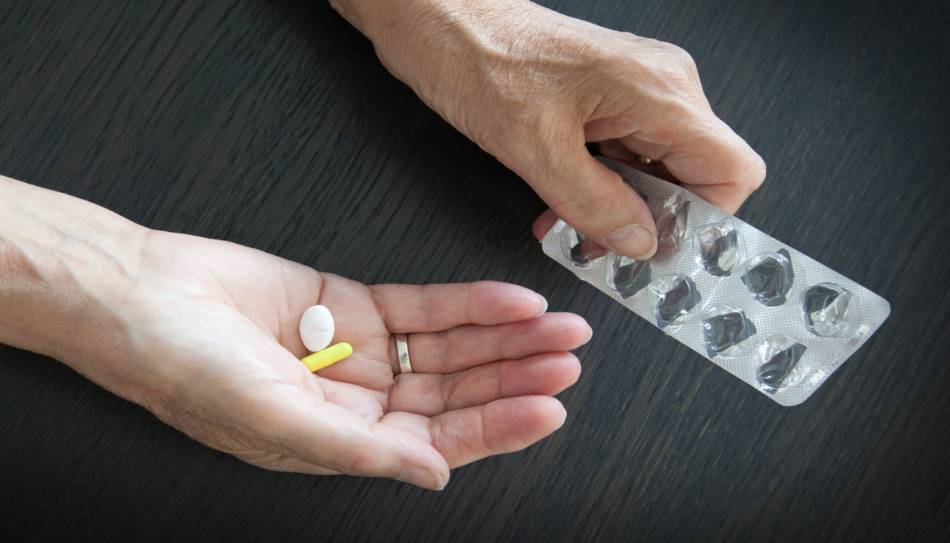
x: 589, y: 196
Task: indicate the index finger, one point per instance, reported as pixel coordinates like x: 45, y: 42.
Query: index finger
x: 713, y: 162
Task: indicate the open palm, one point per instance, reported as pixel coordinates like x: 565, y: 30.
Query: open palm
x: 213, y: 350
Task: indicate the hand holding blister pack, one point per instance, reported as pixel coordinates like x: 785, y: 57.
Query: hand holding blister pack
x: 765, y: 312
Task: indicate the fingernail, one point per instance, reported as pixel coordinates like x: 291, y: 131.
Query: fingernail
x: 633, y: 240
x: 544, y: 305
x: 422, y: 477
x: 590, y: 334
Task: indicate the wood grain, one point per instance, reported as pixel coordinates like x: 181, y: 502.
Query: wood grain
x: 236, y: 118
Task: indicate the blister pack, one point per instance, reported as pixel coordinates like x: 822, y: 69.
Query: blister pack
x: 765, y: 312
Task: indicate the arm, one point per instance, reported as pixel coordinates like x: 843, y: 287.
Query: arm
x: 531, y: 86
x: 64, y: 263
x: 203, y: 333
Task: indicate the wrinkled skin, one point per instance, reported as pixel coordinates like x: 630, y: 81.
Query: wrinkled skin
x: 203, y: 332
x: 531, y: 86
x: 212, y: 349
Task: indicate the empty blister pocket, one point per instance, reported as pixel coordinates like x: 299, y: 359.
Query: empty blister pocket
x: 725, y: 328
x: 718, y: 248
x: 671, y: 215
x: 767, y: 313
x: 627, y: 276
x: 778, y: 358
x: 676, y: 296
x: 769, y: 277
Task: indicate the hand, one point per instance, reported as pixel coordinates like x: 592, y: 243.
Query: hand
x: 204, y: 335
x: 531, y: 86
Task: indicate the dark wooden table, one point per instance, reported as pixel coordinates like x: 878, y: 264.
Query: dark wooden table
x: 237, y: 118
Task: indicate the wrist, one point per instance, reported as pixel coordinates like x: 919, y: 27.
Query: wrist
x: 417, y: 31
x: 65, y: 265
x: 445, y: 50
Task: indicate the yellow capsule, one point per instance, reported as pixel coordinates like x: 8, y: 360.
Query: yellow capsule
x: 327, y: 357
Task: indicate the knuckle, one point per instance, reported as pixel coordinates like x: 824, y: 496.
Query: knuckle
x: 673, y: 63
x: 682, y: 106
x: 665, y: 68
x: 676, y: 77
x: 581, y: 212
x: 630, y: 37
x: 448, y: 390
x: 681, y: 57
x: 440, y: 439
x: 757, y: 172
x: 747, y: 170
x: 442, y: 344
x: 608, y: 56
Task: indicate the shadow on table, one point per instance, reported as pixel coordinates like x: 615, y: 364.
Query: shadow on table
x: 428, y: 161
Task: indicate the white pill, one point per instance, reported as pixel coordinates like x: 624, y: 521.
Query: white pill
x: 316, y: 328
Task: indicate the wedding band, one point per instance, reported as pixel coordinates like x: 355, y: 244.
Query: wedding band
x: 402, y: 353
x: 644, y: 160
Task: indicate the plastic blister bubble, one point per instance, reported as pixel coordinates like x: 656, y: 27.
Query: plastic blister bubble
x: 825, y: 309
x: 579, y: 250
x: 765, y: 312
x: 778, y: 358
x: 671, y: 215
x: 769, y: 277
x: 724, y: 329
x: 718, y: 248
x: 676, y: 296
x: 628, y: 276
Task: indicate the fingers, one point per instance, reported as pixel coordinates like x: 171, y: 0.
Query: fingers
x: 612, y: 149
x: 703, y: 153
x: 658, y: 109
x: 431, y: 394
x: 330, y: 437
x: 433, y: 308
x: 616, y: 150
x: 468, y: 346
x: 322, y: 438
x: 502, y: 426
x: 707, y: 157
x: 714, y: 162
x: 590, y: 197
x: 543, y: 223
